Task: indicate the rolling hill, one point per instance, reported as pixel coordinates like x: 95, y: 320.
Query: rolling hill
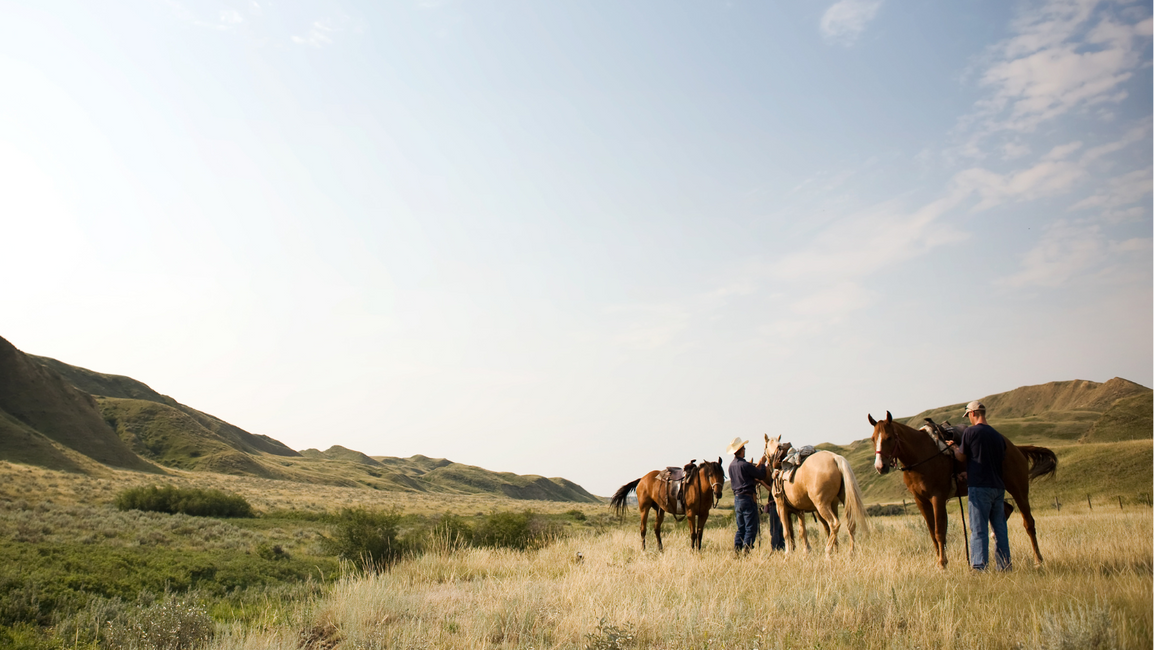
x: 64, y: 417
x: 1103, y: 435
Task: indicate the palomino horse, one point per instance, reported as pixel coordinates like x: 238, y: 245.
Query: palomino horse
x: 929, y: 475
x: 822, y: 481
x: 702, y: 488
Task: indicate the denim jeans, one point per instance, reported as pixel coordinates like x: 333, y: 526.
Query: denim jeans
x: 745, y: 512
x: 987, y: 511
x: 776, y: 533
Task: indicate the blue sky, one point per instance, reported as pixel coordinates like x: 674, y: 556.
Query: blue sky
x: 577, y: 239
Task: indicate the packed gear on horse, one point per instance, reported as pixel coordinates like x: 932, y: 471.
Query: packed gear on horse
x: 674, y: 480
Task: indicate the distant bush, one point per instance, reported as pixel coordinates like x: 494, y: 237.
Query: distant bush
x: 453, y: 530
x: 577, y: 515
x: 367, y: 538
x: 891, y: 510
x: 175, y: 623
x: 516, y: 530
x: 188, y: 501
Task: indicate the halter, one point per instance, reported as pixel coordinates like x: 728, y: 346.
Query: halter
x: 893, y: 460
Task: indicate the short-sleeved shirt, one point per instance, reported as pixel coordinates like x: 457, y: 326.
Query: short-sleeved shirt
x: 743, y: 476
x: 985, y: 449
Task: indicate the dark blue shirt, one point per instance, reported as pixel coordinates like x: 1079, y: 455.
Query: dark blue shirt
x: 985, y: 449
x: 743, y: 476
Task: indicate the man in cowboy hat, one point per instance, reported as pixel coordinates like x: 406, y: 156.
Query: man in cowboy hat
x: 743, y: 476
x: 982, y: 450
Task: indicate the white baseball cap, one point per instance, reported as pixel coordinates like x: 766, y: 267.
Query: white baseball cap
x: 974, y: 407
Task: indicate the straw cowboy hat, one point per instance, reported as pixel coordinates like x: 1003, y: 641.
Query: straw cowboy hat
x: 735, y: 445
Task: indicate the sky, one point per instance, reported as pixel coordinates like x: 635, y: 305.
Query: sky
x: 587, y: 239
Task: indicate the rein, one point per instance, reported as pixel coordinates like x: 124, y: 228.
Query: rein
x: 895, y: 463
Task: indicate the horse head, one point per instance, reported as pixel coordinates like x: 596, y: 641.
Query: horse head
x: 885, y: 441
x: 775, y: 450
x: 716, y: 476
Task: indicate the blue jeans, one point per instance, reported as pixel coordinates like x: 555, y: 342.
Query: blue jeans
x: 987, y: 506
x: 745, y: 512
x: 776, y: 533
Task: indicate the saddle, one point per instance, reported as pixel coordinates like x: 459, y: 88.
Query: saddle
x: 946, y: 432
x: 794, y: 458
x: 674, y: 480
x: 786, y: 468
x: 942, y: 434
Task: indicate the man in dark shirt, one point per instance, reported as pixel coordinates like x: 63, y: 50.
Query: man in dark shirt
x: 743, y: 477
x: 982, y: 450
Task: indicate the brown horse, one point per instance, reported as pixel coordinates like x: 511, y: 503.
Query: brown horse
x: 703, y: 484
x: 822, y: 481
x: 929, y: 475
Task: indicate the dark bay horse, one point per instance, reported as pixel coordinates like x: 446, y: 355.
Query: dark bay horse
x: 702, y: 487
x: 929, y: 475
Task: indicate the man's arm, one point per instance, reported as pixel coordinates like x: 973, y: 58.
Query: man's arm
x: 957, y: 449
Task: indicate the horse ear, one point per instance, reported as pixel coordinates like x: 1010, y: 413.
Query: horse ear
x: 873, y: 422
x: 719, y: 461
x: 889, y: 418
x: 767, y: 437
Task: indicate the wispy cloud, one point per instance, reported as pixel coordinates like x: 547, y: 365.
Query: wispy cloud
x: 844, y: 21
x: 319, y: 35
x: 1069, y: 251
x: 1065, y: 55
x: 322, y: 32
x: 226, y: 19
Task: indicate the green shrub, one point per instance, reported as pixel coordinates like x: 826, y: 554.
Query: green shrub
x: 514, y: 530
x: 367, y: 538
x: 188, y: 501
x: 272, y: 552
x: 891, y: 510
x: 577, y: 515
x: 174, y: 623
x: 453, y: 530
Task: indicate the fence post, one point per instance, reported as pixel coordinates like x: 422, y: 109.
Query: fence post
x: 903, y: 506
x: 1119, y: 501
x: 1057, y: 504
x: 1090, y: 505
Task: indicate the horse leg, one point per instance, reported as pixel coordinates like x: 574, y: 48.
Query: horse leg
x: 644, y: 522
x: 804, y: 533
x: 701, y: 528
x: 692, y: 530
x: 942, y: 524
x: 1022, y: 498
x: 831, y: 524
x: 657, y: 528
x: 787, y: 525
x: 927, y: 510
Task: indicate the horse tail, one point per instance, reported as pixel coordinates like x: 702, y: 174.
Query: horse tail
x: 1043, y: 462
x: 618, y: 500
x: 854, y: 504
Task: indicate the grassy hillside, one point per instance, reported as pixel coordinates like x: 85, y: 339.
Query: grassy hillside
x: 1127, y: 419
x: 337, y: 452
x: 1101, y: 433
x: 120, y: 387
x: 37, y: 400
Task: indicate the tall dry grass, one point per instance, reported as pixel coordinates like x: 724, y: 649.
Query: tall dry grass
x: 1095, y: 591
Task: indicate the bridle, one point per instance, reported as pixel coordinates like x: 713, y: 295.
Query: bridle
x: 717, y: 486
x: 893, y: 458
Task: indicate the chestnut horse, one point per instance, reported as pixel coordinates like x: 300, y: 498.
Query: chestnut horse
x: 822, y: 481
x: 929, y: 475
x: 703, y: 484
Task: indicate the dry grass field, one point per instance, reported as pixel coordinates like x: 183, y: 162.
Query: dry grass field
x: 1094, y: 592
x: 36, y: 484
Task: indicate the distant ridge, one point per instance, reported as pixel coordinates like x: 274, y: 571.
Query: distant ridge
x: 61, y: 416
x: 42, y: 414
x: 1070, y: 417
